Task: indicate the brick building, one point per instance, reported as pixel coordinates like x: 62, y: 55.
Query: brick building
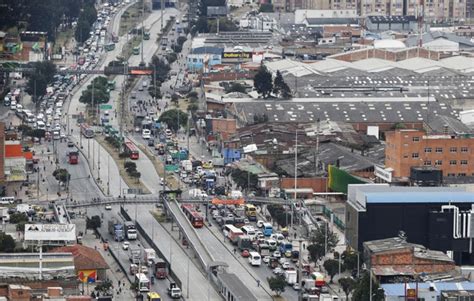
x: 2, y: 152
x: 395, y: 256
x: 451, y: 153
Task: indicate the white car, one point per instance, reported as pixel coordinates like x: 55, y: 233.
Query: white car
x: 266, y: 259
x: 277, y: 271
x: 277, y: 254
x: 125, y: 245
x: 146, y: 134
x: 260, y: 223
x: 285, y: 265
x: 108, y: 207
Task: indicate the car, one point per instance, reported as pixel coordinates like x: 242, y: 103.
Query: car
x: 108, y: 207
x: 277, y: 271
x: 125, y: 245
x: 285, y: 265
x: 266, y: 259
x: 260, y: 223
x: 296, y: 286
x: 245, y: 253
x: 144, y: 269
x: 151, y: 142
x: 277, y: 254
x: 70, y: 144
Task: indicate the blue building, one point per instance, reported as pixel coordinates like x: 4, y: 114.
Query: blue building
x: 202, y: 58
x: 231, y: 155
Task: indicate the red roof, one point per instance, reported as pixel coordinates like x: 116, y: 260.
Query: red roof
x: 13, y: 150
x: 85, y: 258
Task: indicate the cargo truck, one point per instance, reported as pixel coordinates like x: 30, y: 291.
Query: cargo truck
x: 149, y: 255
x: 116, y: 229
x: 244, y: 242
x: 290, y: 277
x: 134, y: 255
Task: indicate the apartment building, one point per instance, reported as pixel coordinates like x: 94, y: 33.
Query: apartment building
x: 451, y: 153
x: 433, y: 10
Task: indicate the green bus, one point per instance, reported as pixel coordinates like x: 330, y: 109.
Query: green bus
x: 136, y: 50
x: 146, y: 35
x: 109, y: 47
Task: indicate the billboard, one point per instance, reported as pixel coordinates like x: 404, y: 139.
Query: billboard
x: 237, y: 55
x: 50, y: 232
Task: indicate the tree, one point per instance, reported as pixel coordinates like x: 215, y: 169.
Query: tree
x: 170, y: 117
x: 277, y: 284
x: 280, y: 88
x: 318, y: 237
x: 266, y: 8
x: 7, y: 243
x: 94, y: 222
x: 154, y: 91
x: 200, y: 26
x: 332, y: 267
x: 21, y: 226
x: 193, y: 107
x: 316, y: 252
x: 236, y: 87
x: 263, y: 82
x: 243, y: 179
x: 18, y: 217
x: 61, y: 175
x: 171, y: 58
x: 350, y: 260
x: 362, y: 289
x: 161, y: 69
x: 39, y: 80
x: 104, y: 287
x: 225, y: 24
x: 347, y: 284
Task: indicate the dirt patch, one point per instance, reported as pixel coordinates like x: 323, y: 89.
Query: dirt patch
x: 131, y: 182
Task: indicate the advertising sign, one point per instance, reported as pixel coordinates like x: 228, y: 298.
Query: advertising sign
x: 384, y: 174
x: 237, y: 55
x: 50, y: 232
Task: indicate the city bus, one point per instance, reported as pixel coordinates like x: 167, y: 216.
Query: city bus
x: 109, y: 47
x: 87, y: 131
x: 153, y: 297
x: 232, y: 233
x: 136, y: 50
x: 251, y: 212
x: 146, y: 35
x: 131, y: 150
x: 267, y: 229
x: 195, y: 218
x: 255, y: 259
x: 142, y: 282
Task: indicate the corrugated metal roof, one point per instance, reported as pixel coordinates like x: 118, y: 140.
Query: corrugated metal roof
x: 398, y: 289
x: 420, y: 197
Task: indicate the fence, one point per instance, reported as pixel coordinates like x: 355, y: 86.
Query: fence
x: 152, y: 244
x: 339, y: 223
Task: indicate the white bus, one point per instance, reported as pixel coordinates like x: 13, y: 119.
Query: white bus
x: 143, y: 284
x: 249, y: 231
x: 255, y: 259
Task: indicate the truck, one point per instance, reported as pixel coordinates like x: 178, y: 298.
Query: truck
x: 290, y: 277
x: 174, y: 291
x: 134, y: 255
x: 73, y: 157
x: 116, y: 229
x: 130, y: 230
x: 187, y: 165
x: 149, y: 255
x: 244, y: 242
x: 160, y: 269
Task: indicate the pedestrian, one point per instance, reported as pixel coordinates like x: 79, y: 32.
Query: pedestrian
x: 44, y: 168
x: 304, y: 246
x: 295, y: 235
x: 258, y: 282
x: 235, y: 250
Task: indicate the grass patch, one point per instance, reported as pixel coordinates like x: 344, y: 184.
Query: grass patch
x: 159, y: 216
x: 131, y: 18
x: 131, y: 182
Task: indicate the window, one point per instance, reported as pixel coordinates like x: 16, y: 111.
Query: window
x: 438, y: 162
x: 461, y: 174
x: 463, y: 162
x: 414, y: 155
x: 453, y: 162
x: 453, y: 149
x: 427, y: 149
x: 464, y: 149
x: 416, y: 139
x: 427, y: 163
x: 451, y: 174
x: 439, y: 150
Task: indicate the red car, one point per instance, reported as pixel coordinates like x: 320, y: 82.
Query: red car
x: 245, y: 253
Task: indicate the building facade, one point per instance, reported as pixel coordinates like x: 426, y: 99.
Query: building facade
x: 453, y: 154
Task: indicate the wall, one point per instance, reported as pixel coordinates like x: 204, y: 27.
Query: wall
x: 395, y: 56
x: 317, y: 184
x: 2, y: 152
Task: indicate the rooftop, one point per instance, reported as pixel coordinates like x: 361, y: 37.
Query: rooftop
x: 233, y: 283
x: 391, y: 19
x: 85, y: 258
x: 398, y: 289
x: 433, y: 35
x: 413, y: 197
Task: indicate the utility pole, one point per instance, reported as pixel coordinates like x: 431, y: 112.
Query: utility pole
x: 162, y: 11
x: 143, y: 28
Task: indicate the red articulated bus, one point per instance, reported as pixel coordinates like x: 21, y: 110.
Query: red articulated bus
x: 87, y: 131
x: 195, y: 218
x: 73, y: 157
x: 131, y: 150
